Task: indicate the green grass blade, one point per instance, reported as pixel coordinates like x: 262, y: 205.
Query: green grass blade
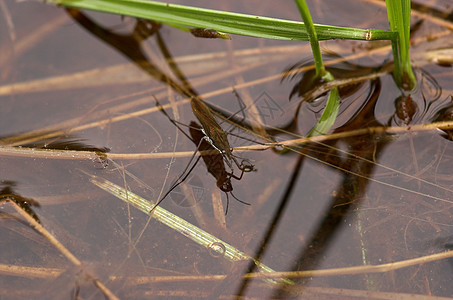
x: 330, y: 112
x: 313, y: 37
x: 329, y: 115
x: 399, y: 14
x: 228, y: 22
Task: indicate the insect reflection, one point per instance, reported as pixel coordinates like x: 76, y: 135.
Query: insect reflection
x: 215, y: 163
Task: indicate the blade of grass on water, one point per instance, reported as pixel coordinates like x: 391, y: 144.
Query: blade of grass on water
x: 399, y: 15
x: 329, y: 115
x: 313, y: 38
x: 330, y: 112
x: 180, y: 225
x: 228, y: 22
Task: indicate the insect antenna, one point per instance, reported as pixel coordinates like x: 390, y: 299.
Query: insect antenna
x: 227, y: 204
x: 228, y: 201
x: 239, y: 200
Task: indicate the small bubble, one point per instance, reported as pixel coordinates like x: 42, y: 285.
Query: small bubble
x: 216, y: 249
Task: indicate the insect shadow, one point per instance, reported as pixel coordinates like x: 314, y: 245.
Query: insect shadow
x: 213, y: 158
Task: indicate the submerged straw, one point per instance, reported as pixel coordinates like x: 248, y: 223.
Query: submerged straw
x: 185, y: 228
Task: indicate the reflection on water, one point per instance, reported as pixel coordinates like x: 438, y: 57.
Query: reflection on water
x: 7, y: 193
x: 445, y: 114
x: 359, y: 198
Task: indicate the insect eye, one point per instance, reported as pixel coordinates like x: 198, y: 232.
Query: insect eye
x: 226, y: 186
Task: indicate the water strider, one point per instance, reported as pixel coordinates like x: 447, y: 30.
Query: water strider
x: 214, y: 161
x: 215, y: 135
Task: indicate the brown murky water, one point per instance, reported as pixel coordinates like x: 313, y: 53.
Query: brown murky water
x: 87, y: 83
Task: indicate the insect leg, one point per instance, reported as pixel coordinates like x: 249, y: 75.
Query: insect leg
x: 180, y: 179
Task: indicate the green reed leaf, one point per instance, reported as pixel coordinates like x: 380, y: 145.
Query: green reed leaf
x: 226, y: 22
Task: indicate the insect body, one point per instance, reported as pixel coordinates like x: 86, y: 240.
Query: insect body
x: 215, y: 134
x: 214, y: 162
